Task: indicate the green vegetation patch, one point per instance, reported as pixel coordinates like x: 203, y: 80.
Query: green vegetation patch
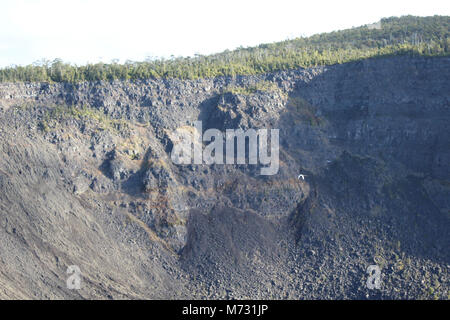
x: 408, y: 35
x: 60, y: 113
x: 261, y: 86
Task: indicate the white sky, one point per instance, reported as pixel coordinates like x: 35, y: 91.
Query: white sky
x: 81, y: 31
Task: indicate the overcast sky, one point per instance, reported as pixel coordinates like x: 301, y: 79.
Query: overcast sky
x: 81, y: 31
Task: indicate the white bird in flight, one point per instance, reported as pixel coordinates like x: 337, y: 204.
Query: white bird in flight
x: 301, y: 176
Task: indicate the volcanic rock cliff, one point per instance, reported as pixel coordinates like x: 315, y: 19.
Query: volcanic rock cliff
x: 86, y: 179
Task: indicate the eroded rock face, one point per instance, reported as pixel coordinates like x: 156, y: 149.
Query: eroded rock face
x: 99, y: 189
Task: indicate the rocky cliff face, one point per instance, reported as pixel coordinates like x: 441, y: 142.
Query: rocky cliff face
x: 87, y: 179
